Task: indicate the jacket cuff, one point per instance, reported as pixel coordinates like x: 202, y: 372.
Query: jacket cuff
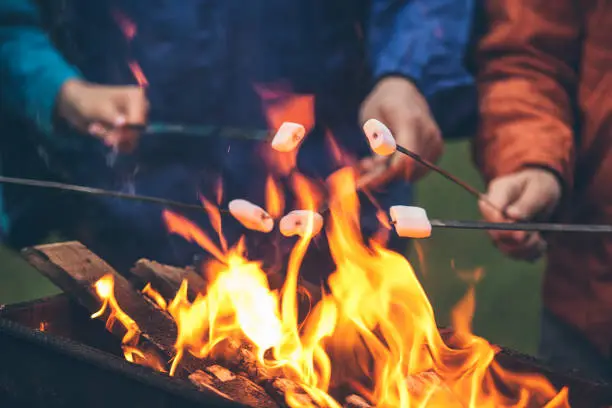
x: 506, y: 162
x: 42, y: 107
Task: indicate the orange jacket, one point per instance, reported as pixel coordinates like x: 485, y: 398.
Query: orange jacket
x: 545, y: 89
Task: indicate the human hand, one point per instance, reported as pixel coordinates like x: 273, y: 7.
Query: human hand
x: 397, y: 103
x: 102, y: 111
x: 522, y: 195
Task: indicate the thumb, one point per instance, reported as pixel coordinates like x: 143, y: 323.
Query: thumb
x: 530, y: 203
x: 501, y: 194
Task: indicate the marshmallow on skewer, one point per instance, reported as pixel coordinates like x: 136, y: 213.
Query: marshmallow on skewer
x: 296, y: 223
x: 251, y: 216
x: 380, y: 138
x: 410, y: 222
x: 288, y: 137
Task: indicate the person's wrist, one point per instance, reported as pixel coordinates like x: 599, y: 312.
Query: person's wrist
x: 395, y: 79
x: 67, y: 94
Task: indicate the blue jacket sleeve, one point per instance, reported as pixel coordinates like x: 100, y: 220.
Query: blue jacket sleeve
x: 32, y: 70
x: 426, y: 41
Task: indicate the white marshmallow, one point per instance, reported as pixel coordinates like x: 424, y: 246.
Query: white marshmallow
x: 251, y: 216
x: 288, y: 137
x: 296, y: 223
x: 410, y: 222
x: 381, y: 140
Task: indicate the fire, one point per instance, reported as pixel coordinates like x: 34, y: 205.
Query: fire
x: 373, y: 332
x: 140, y: 77
x: 105, y: 288
x: 128, y: 28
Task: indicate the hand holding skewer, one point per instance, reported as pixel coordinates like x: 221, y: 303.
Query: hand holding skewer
x: 527, y: 194
x: 104, y: 111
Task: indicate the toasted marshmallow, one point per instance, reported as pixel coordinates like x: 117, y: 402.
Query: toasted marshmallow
x: 288, y: 137
x: 296, y: 223
x: 410, y: 222
x: 251, y: 216
x: 380, y: 137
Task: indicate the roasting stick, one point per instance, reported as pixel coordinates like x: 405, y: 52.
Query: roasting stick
x: 97, y: 191
x: 210, y: 131
x: 479, y: 225
x: 521, y: 226
x: 205, y: 131
x: 449, y: 176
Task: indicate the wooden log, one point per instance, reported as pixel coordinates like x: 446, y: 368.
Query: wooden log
x: 233, y: 354
x: 167, y: 279
x: 232, y: 386
x: 280, y: 388
x: 75, y: 269
x: 239, y: 357
x: 355, y: 401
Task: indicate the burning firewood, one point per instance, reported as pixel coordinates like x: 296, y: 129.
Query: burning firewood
x: 355, y: 401
x: 75, y: 269
x: 232, y: 386
x: 240, y: 357
x: 283, y: 388
x: 167, y: 279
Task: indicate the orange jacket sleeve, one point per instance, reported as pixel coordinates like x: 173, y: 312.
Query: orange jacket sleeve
x: 527, y: 80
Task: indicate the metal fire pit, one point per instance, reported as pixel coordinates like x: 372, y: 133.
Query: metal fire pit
x: 54, y: 355
x: 75, y: 362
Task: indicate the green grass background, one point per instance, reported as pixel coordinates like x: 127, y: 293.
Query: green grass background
x: 507, y: 298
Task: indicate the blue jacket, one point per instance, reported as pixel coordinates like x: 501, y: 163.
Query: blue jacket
x: 202, y: 59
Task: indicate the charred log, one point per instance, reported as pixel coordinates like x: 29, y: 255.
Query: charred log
x: 355, y: 401
x: 167, y: 279
x: 75, y: 269
x: 232, y: 386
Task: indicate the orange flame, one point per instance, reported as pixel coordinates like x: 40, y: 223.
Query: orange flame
x: 140, y: 77
x: 105, y: 288
x: 275, y: 201
x: 127, y: 26
x: 374, y: 332
x: 180, y: 225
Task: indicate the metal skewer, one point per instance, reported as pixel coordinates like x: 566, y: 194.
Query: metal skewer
x: 98, y: 192
x: 210, y: 131
x: 472, y: 190
x: 521, y: 226
x: 478, y: 225
x: 205, y: 131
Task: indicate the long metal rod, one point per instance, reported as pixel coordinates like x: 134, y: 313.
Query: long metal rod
x: 478, y: 225
x: 521, y: 226
x: 204, y: 131
x: 210, y: 131
x: 97, y: 191
x: 449, y: 176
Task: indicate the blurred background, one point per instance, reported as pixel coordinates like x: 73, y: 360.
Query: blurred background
x: 507, y: 297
